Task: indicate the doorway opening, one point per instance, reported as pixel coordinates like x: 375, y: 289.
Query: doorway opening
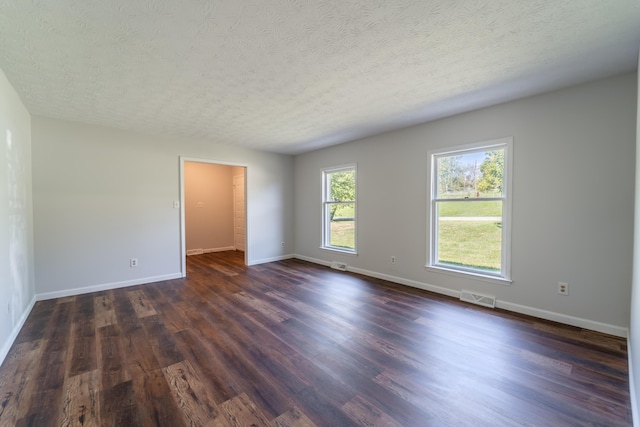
x: 213, y: 208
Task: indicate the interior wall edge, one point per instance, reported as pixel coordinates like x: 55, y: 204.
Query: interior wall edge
x: 634, y: 323
x: 633, y: 396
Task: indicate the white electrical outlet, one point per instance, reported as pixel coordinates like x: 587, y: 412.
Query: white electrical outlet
x: 563, y: 288
x: 133, y: 262
x: 393, y: 260
x: 282, y: 244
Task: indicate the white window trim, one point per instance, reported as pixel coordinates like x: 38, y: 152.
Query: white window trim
x: 504, y: 277
x: 324, y: 244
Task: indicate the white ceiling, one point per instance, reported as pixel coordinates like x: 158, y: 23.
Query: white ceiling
x: 290, y: 76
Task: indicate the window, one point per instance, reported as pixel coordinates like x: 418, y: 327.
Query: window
x: 339, y: 208
x: 471, y: 208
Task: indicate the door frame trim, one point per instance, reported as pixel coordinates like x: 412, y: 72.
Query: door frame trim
x: 183, y: 245
x: 244, y: 186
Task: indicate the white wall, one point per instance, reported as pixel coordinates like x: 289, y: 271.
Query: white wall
x: 103, y: 196
x: 573, y: 185
x: 634, y: 329
x: 208, y: 198
x: 16, y: 216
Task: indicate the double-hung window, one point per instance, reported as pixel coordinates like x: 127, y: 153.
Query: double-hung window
x: 470, y: 209
x: 339, y: 208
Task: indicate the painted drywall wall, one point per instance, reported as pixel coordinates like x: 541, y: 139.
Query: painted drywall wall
x: 634, y: 328
x: 16, y: 216
x: 573, y: 186
x: 103, y: 196
x: 208, y: 205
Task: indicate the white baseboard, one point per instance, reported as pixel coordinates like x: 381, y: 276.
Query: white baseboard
x: 222, y: 249
x: 313, y: 260
x: 402, y: 281
x: 201, y: 251
x: 522, y: 309
x: 273, y: 259
x: 4, y: 351
x: 106, y: 286
x: 579, y: 322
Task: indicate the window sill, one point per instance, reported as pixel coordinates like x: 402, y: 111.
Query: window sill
x: 470, y: 275
x: 342, y: 251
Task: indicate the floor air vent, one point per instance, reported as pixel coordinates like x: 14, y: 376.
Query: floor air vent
x: 339, y: 266
x: 474, y: 298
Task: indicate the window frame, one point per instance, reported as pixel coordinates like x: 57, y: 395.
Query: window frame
x: 326, y: 203
x: 504, y: 275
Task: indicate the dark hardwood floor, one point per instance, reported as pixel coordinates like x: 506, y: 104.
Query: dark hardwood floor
x: 295, y: 344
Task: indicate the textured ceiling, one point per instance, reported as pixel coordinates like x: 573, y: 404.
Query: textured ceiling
x: 294, y: 75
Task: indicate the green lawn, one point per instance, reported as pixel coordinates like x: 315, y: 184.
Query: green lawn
x: 343, y: 234
x: 479, y: 208
x: 343, y: 228
x: 474, y: 244
x: 345, y: 211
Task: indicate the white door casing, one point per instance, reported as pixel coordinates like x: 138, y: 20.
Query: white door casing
x: 239, y: 216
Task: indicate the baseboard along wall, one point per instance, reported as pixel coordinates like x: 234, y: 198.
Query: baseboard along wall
x: 505, y: 305
x: 106, y: 286
x: 200, y: 251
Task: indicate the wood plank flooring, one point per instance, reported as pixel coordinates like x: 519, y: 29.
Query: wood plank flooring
x: 295, y: 344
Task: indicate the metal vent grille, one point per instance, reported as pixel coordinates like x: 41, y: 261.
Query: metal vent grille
x: 479, y: 299
x: 339, y: 266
